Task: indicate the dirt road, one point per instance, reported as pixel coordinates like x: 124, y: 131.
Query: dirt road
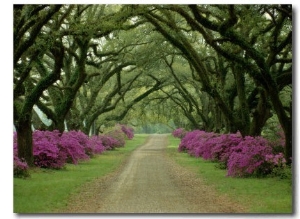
x: 150, y: 182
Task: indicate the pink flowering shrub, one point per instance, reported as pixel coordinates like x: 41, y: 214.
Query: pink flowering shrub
x: 128, y: 131
x: 205, y: 144
x: 190, y: 141
x: 46, y: 152
x: 20, y: 168
x: 275, y: 160
x: 242, y: 157
x: 95, y: 146
x: 179, y: 133
x: 248, y: 157
x: 108, y: 142
x: 91, y: 145
x: 73, y: 144
x: 278, y: 165
x: 51, y: 149
x: 223, y: 146
x: 119, y: 136
x: 116, y: 137
x: 194, y: 142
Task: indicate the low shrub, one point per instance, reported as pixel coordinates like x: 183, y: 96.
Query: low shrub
x: 224, y: 144
x: 205, y: 144
x: 283, y: 173
x: 95, y: 146
x: 248, y: 157
x: 119, y: 136
x: 21, y: 169
x: 108, y: 142
x: 73, y: 144
x: 191, y: 141
x: 51, y: 149
x: 179, y: 133
x: 46, y: 152
x: 241, y: 156
x: 277, y: 164
x: 128, y: 131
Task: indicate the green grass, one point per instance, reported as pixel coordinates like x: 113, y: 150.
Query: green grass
x: 258, y: 195
x: 47, y: 190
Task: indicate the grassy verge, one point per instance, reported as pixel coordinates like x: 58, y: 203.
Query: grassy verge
x: 259, y: 195
x: 47, y: 190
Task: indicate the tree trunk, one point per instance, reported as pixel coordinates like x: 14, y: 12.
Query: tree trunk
x: 260, y: 115
x: 87, y: 127
x: 285, y: 122
x: 60, y: 124
x: 24, y: 137
x: 243, y: 112
x: 217, y: 120
x: 289, y: 143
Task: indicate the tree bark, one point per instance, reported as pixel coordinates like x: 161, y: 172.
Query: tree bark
x: 23, y: 111
x: 24, y: 138
x: 285, y: 121
x: 260, y: 115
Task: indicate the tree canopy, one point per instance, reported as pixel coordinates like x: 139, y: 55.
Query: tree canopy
x: 222, y: 68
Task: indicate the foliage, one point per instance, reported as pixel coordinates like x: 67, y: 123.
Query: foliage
x: 283, y: 173
x: 48, y: 191
x: 211, y: 67
x: 223, y: 45
x: 46, y: 151
x: 108, y: 142
x: 20, y: 166
x: 53, y: 150
x: 222, y: 148
x: 128, y: 131
x: 95, y: 146
x: 249, y: 157
x: 242, y: 156
x: 179, y: 133
x: 21, y: 169
x: 258, y: 195
x: 119, y: 136
x: 73, y: 144
x: 193, y: 140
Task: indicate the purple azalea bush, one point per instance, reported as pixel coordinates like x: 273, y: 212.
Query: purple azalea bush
x: 52, y: 149
x: 206, y: 143
x: 276, y: 160
x: 73, y: 144
x: 241, y: 156
x: 128, y: 131
x: 119, y: 136
x: 223, y: 147
x: 95, y: 146
x: 179, y: 133
x: 248, y: 157
x: 189, y: 141
x: 108, y: 142
x: 20, y: 168
x: 46, y: 152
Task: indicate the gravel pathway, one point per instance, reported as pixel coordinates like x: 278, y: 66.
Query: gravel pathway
x: 150, y: 182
